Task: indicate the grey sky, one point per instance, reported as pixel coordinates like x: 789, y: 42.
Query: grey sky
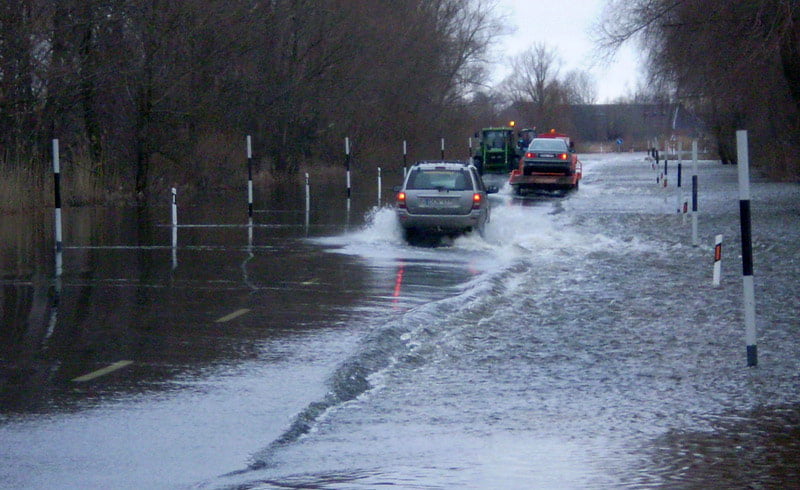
x: 566, y: 25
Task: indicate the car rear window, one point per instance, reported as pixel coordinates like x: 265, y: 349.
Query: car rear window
x: 548, y: 145
x: 452, y: 180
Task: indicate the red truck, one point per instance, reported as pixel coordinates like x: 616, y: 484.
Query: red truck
x: 549, y: 163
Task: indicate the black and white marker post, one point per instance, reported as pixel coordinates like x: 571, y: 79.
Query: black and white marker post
x: 308, y: 203
x: 747, y: 248
x: 174, y: 228
x: 249, y: 177
x: 678, y: 182
x: 347, y: 165
x: 442, y: 148
x: 349, y: 189
x: 717, y: 261
x: 57, y: 191
x: 694, y: 193
x: 57, y: 286
x: 380, y: 187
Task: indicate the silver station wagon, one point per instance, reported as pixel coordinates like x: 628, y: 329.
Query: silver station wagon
x: 442, y: 198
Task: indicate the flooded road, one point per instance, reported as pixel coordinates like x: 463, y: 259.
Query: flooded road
x: 579, y: 344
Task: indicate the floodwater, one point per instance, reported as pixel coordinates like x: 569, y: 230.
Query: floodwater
x: 579, y: 344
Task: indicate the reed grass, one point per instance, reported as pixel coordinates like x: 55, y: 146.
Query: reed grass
x: 27, y: 187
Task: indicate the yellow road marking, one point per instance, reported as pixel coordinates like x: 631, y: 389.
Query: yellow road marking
x: 310, y: 282
x: 102, y: 372
x: 233, y: 315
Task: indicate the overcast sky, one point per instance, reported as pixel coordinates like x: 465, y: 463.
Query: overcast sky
x: 565, y: 25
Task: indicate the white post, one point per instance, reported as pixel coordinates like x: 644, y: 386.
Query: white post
x: 678, y: 189
x: 717, y: 260
x: 379, y: 187
x: 174, y: 228
x: 249, y: 177
x: 57, y: 206
x: 308, y: 201
x: 694, y: 193
x: 347, y: 166
x: 174, y: 208
x: 747, y: 248
x: 442, y: 148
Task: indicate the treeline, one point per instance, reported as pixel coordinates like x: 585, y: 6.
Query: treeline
x: 141, y: 91
x: 736, y: 64
x: 536, y: 92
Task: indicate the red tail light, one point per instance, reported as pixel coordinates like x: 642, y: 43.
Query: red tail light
x: 476, y: 201
x: 401, y: 200
x: 530, y: 155
x: 563, y: 156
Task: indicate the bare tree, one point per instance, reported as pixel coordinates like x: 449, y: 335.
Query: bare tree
x: 137, y: 86
x: 725, y: 59
x: 18, y: 92
x: 540, y: 94
x: 580, y: 87
x: 535, y: 76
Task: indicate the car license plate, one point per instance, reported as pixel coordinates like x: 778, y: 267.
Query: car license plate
x: 547, y: 155
x: 439, y: 202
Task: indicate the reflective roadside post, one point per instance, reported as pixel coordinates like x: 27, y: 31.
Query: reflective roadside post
x: 308, y: 203
x: 747, y: 248
x: 717, y: 261
x: 57, y: 212
x: 379, y: 187
x: 680, y: 169
x: 174, y: 193
x: 347, y: 164
x: 694, y: 193
x: 249, y: 177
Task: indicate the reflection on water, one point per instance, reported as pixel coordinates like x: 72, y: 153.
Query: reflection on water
x: 134, y: 287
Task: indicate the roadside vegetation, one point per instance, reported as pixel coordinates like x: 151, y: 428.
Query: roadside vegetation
x: 146, y: 95
x: 735, y: 64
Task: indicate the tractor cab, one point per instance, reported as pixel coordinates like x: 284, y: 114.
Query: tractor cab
x: 497, y: 151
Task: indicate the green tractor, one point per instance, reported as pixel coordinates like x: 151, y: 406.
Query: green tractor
x: 497, y: 151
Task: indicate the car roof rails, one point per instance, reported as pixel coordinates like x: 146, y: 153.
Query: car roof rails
x: 452, y: 162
